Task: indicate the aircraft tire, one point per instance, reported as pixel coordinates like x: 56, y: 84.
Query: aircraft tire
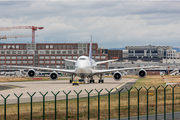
x: 93, y: 81
x: 102, y: 81
x: 70, y: 81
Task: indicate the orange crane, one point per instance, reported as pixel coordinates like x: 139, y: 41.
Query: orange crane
x: 34, y: 28
x: 14, y: 36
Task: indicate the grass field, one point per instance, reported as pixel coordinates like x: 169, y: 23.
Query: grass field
x: 83, y: 104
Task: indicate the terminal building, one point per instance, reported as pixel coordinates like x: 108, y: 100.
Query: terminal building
x: 49, y: 55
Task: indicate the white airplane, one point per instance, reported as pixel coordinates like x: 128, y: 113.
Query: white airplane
x: 86, y: 67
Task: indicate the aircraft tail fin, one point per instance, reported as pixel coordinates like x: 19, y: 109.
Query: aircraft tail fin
x: 90, y: 49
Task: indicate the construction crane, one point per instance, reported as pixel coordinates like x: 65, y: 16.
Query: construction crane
x: 14, y: 36
x: 34, y: 28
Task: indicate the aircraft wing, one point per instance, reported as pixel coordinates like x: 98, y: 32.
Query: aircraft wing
x: 106, y: 61
x: 41, y: 68
x: 123, y: 69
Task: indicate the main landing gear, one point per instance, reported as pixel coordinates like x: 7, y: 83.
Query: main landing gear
x: 101, y: 80
x: 71, y: 80
x: 91, y: 80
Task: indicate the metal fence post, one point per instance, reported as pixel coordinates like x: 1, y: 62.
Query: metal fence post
x: 128, y: 102
x: 109, y: 102
x: 119, y: 91
x: 88, y: 100
x: 43, y: 103
x: 165, y: 101
x: 156, y: 99
x: 138, y: 99
x: 55, y: 97
x: 173, y: 101
x: 78, y: 103
x: 5, y: 98
x: 31, y: 101
x: 147, y: 99
x: 66, y: 103
x: 98, y: 102
x: 18, y: 102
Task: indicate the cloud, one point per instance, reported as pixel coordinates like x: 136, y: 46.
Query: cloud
x: 112, y: 23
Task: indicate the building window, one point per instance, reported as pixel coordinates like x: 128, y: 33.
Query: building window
x: 63, y: 57
x: 18, y: 57
x: 8, y: 52
x: 42, y: 46
x: 47, y: 61
x: 47, y: 46
x: 69, y: 52
x: 30, y: 51
x: 13, y: 57
x: 41, y: 51
x: 63, y: 61
x: 0, y: 46
x: 94, y: 46
x: 4, y: 46
x: 13, y: 61
x: 41, y: 57
x: 21, y: 46
x: 41, y: 61
x: 51, y: 46
x: 52, y: 52
x: 59, y: 46
x: 30, y: 57
x: 7, y: 57
x: 2, y: 57
x: 24, y: 61
x: 17, y: 46
x: 97, y: 57
x: 63, y: 52
x: 80, y: 52
x: 19, y: 52
x: 24, y: 52
x: 19, y: 61
x: 53, y: 57
x: 13, y: 52
x: 30, y: 61
x: 58, y: 66
x: 47, y: 52
x: 24, y: 57
x: 68, y: 46
x: 94, y: 51
x: 24, y: 46
x: 75, y: 52
x: 58, y: 61
x: 72, y: 46
x: 52, y: 61
x: 64, y: 46
x: 2, y: 52
x: 75, y: 57
x: 39, y: 46
x: 76, y: 46
x: 103, y: 57
x: 58, y: 52
x: 58, y: 57
x: 52, y: 66
x: 46, y: 57
x: 2, y: 61
x: 8, y: 61
x: 55, y: 46
x: 69, y: 57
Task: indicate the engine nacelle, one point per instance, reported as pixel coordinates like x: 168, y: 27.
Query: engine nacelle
x: 53, y: 75
x: 31, y: 73
x: 142, y: 73
x: 117, y: 76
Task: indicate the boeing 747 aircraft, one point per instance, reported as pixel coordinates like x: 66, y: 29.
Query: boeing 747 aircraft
x: 86, y: 67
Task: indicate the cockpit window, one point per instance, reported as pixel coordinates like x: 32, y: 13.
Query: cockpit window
x: 82, y: 58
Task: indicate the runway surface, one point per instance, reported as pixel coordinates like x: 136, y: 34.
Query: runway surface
x: 55, y: 86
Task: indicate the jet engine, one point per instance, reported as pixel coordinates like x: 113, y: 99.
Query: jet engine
x: 142, y: 73
x: 31, y: 73
x: 53, y: 75
x: 117, y: 76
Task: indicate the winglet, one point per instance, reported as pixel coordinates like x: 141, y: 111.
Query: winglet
x: 90, y: 49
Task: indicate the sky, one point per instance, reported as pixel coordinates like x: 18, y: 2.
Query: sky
x: 112, y: 24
